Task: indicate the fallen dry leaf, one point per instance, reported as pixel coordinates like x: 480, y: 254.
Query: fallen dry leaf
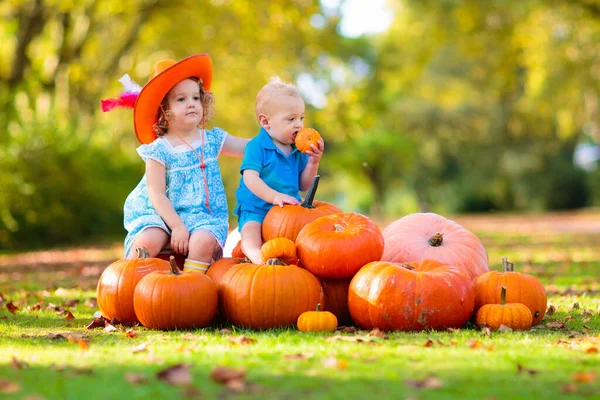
x: 135, y: 379
x: 69, y: 316
x: 91, y: 302
x: 36, y: 307
x: 226, y: 374
x: 243, y: 339
x: 98, y: 322
x: 333, y: 362
x: 504, y: 328
x: 131, y: 334
x: 521, y: 369
x: 83, y: 344
x: 431, y: 382
x: 584, y: 377
x: 591, y: 350
x: 551, y: 310
x: 225, y: 331
x: 191, y: 336
x: 377, y: 333
x: 11, y: 307
x: 142, y: 347
x: 18, y: 364
x: 428, y: 343
x: 347, y: 329
x: 109, y: 328
x: 8, y: 386
x: 177, y: 375
x: 556, y: 325
x: 298, y: 356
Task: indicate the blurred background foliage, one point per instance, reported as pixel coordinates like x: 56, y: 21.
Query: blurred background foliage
x: 459, y: 106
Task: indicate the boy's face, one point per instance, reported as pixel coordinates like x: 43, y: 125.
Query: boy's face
x: 285, y: 118
x: 185, y: 105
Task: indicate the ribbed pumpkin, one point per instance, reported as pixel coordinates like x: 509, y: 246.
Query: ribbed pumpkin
x: 268, y: 296
x: 218, y: 268
x: 118, y: 281
x: 336, y: 246
x: 317, y: 321
x: 287, y: 221
x: 411, y: 297
x: 305, y: 138
x: 513, y: 315
x: 520, y: 288
x: 237, y: 251
x: 175, y: 300
x: 422, y: 236
x: 282, y: 248
x: 336, y: 299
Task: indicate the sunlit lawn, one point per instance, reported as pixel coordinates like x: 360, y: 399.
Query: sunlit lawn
x: 44, y: 355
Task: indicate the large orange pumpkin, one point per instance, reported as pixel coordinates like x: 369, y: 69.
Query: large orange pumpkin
x: 336, y: 299
x: 218, y: 268
x: 118, y: 281
x: 268, y: 296
x: 430, y: 236
x: 336, y: 246
x: 520, y: 288
x: 287, y: 221
x: 411, y: 297
x: 175, y: 300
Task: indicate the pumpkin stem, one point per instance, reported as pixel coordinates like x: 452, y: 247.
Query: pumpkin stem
x: 503, y: 296
x: 437, y: 239
x: 318, y: 306
x: 310, y: 196
x: 142, y: 252
x: 407, y: 266
x: 174, y: 268
x: 507, y: 266
x: 274, y: 261
x: 339, y: 228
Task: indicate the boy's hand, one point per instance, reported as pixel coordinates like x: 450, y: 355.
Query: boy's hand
x: 180, y: 238
x: 280, y: 199
x: 316, y: 152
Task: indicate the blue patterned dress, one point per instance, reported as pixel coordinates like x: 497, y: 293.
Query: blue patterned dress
x: 185, y: 188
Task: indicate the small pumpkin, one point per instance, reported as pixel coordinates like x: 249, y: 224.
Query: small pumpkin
x: 429, y: 236
x: 268, y: 296
x: 305, y: 138
x: 175, y: 300
x: 336, y: 246
x: 237, y: 251
x: 282, y: 248
x: 521, y: 288
x: 513, y: 315
x: 118, y: 281
x: 317, y: 321
x: 287, y: 221
x: 410, y: 297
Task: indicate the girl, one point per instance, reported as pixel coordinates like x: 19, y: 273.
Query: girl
x: 181, y: 199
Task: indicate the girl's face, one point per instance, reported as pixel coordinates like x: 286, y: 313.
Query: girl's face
x: 185, y: 106
x: 285, y: 119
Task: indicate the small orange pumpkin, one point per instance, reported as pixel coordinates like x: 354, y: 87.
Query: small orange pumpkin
x: 282, y: 248
x: 237, y: 251
x: 175, y: 300
x: 317, y: 321
x: 305, y: 138
x: 521, y: 288
x: 514, y: 315
x: 118, y: 281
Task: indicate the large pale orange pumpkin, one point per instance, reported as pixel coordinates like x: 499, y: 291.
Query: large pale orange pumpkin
x: 411, y: 297
x: 268, y: 296
x: 336, y: 299
x: 118, y: 281
x: 520, y: 288
x: 422, y: 236
x: 336, y: 246
x: 175, y: 300
x: 288, y: 220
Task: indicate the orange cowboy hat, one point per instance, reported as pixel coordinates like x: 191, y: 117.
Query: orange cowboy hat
x: 165, y: 75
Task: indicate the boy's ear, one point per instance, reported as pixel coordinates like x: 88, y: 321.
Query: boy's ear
x: 263, y: 121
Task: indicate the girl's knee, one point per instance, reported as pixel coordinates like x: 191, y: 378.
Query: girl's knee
x: 201, y: 239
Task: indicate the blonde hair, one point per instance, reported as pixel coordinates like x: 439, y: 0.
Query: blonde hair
x: 269, y: 93
x: 207, y: 99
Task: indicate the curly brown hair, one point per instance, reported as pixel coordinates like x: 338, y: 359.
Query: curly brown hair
x: 208, y: 109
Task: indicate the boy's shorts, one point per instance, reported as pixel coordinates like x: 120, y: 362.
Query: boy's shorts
x: 248, y: 216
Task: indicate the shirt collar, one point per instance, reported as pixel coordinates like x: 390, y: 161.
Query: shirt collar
x: 267, y: 143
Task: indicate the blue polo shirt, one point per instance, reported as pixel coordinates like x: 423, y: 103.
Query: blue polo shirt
x: 278, y: 171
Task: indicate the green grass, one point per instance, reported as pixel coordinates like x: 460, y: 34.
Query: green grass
x: 287, y: 364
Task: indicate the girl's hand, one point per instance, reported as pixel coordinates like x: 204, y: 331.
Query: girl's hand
x: 281, y: 199
x: 180, y: 238
x: 316, y: 152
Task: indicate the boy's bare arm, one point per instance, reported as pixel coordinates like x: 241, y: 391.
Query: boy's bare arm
x: 312, y: 167
x: 263, y: 191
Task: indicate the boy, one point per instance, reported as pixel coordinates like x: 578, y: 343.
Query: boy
x: 273, y: 170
